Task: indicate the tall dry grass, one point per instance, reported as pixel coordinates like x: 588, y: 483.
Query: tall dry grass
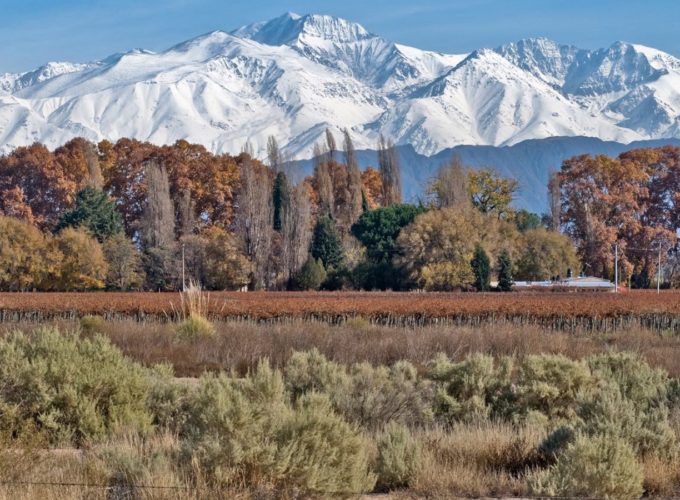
x: 239, y: 345
x: 476, y: 460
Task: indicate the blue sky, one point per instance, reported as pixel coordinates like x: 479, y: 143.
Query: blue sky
x: 33, y: 32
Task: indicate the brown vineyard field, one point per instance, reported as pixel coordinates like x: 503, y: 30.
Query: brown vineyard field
x: 558, y: 310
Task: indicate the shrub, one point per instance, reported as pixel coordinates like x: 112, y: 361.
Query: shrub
x: 194, y: 308
x: 131, y: 460
x: 245, y: 433
x: 195, y: 328
x: 644, y: 385
x: 375, y: 396
x: 550, y: 384
x: 605, y: 410
x: 598, y: 466
x: 229, y: 427
x: 311, y: 276
x: 398, y: 457
x: 90, y: 325
x: 318, y: 452
x: 473, y: 389
x: 311, y: 371
x: 72, y: 388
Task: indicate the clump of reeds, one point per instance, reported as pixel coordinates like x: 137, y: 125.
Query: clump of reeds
x: 193, y: 313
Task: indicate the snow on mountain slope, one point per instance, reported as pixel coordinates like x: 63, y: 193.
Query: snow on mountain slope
x: 349, y: 48
x: 488, y: 100
x: 294, y: 76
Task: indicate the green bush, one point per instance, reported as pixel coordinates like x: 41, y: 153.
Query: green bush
x: 606, y: 411
x: 73, y: 389
x: 549, y: 384
x: 318, y: 452
x: 637, y: 381
x: 311, y: 276
x: 368, y: 396
x: 474, y: 389
x: 594, y: 467
x: 399, y: 457
x: 375, y: 396
x: 311, y: 371
x: 229, y: 426
x: 195, y: 328
x: 245, y: 432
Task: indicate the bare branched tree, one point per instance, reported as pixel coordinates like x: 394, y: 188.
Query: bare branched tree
x: 450, y: 187
x: 157, y: 226
x: 390, y: 171
x: 555, y: 201
x: 253, y: 218
x: 354, y: 182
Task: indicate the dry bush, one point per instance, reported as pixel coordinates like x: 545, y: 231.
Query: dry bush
x: 475, y: 460
x: 239, y: 345
x: 135, y: 466
x: 662, y: 476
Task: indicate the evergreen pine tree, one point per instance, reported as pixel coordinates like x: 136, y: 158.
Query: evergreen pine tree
x: 481, y: 268
x: 326, y: 244
x: 95, y: 212
x: 281, y: 200
x: 504, y: 269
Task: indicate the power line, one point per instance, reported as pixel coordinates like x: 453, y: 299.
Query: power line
x: 100, y: 486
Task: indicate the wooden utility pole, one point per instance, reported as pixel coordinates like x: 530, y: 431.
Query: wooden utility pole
x: 616, y: 268
x: 658, y: 276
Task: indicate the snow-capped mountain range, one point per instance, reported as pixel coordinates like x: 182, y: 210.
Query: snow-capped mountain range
x: 295, y: 76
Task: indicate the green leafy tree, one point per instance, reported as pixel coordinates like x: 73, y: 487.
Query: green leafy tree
x: 481, y: 268
x: 379, y: 229
x: 326, y: 243
x: 490, y: 192
x: 281, y: 200
x: 504, y: 269
x: 527, y: 221
x: 95, y: 212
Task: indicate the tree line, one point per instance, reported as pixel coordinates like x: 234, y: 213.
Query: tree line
x: 132, y: 215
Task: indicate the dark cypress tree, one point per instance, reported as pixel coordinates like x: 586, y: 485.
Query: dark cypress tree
x: 95, y: 212
x: 281, y: 200
x: 364, y: 202
x: 481, y: 268
x: 504, y: 269
x: 326, y: 244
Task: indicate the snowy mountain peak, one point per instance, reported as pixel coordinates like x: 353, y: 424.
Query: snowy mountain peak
x: 544, y: 58
x: 621, y: 67
x: 291, y: 27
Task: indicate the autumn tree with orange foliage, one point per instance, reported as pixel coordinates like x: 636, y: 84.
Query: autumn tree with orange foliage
x: 373, y: 188
x: 632, y: 200
x: 39, y: 187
